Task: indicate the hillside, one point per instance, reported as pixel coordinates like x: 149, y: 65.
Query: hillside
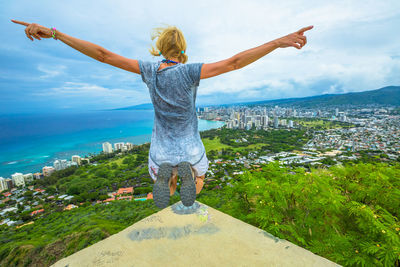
x: 347, y: 214
x: 389, y: 95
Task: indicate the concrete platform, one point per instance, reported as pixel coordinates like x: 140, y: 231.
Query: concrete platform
x: 196, y: 236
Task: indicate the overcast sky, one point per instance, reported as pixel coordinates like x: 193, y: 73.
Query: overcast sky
x: 354, y: 46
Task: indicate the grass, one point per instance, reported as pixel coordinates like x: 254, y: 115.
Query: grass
x: 318, y: 123
x: 215, y: 144
x: 119, y: 160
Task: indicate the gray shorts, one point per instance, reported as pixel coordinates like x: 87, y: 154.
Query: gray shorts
x: 199, y: 169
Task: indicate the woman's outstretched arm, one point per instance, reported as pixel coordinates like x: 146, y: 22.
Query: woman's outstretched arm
x: 296, y: 39
x: 90, y: 49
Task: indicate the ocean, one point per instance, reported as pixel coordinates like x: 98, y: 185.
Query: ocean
x: 30, y: 141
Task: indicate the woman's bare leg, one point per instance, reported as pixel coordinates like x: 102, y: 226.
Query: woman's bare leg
x: 199, y: 183
x: 174, y: 179
x: 173, y: 182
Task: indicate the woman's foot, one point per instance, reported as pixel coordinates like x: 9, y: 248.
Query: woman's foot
x: 188, y: 187
x: 161, y: 189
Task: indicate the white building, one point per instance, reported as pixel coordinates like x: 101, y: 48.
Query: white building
x: 38, y: 175
x: 107, y: 148
x: 12, y: 209
x: 276, y: 122
x: 77, y: 159
x: 18, y: 179
x: 47, y: 170
x: 3, y: 184
x: 249, y: 125
x: 129, y: 145
x: 9, y: 183
x: 265, y: 120
x: 118, y: 146
x: 28, y: 177
x: 63, y: 164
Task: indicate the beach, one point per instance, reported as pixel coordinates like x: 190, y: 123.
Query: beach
x: 30, y: 141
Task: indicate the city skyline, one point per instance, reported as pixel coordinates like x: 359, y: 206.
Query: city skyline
x: 352, y: 48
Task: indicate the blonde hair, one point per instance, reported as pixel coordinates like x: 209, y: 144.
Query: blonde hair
x: 170, y: 42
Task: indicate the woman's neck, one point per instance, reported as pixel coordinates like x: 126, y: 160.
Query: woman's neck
x: 173, y: 59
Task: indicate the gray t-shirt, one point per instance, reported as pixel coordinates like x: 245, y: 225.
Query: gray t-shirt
x: 173, y: 92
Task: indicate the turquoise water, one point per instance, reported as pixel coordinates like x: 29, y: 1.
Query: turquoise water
x: 140, y: 199
x: 30, y: 141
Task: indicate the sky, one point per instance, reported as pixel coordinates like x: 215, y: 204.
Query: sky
x: 354, y: 46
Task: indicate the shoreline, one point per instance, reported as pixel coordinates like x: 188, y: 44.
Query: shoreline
x: 32, y: 163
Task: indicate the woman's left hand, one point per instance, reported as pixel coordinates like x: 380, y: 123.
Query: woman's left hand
x: 35, y: 30
x: 296, y: 39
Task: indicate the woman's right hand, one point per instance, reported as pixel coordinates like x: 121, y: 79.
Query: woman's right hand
x: 296, y: 39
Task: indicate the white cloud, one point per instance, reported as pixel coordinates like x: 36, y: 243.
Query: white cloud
x: 92, y: 93
x: 50, y: 71
x: 353, y: 47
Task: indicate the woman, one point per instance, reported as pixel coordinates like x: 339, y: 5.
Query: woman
x: 176, y: 148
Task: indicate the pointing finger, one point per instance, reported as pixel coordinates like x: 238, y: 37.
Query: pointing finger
x: 302, y: 30
x: 20, y: 22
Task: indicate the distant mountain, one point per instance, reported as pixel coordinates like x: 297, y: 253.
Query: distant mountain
x: 145, y: 106
x: 389, y: 95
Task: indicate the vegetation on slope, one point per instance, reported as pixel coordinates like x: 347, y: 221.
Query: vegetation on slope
x: 348, y: 214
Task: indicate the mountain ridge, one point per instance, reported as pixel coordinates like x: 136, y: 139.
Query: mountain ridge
x: 388, y: 95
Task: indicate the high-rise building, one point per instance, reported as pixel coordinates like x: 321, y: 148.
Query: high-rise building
x: 242, y: 118
x: 237, y: 116
x: 38, y: 175
x: 3, y: 184
x: 129, y: 146
x: 76, y: 158
x: 10, y: 183
x: 290, y: 124
x: 264, y: 120
x: 336, y: 112
x: 118, y: 146
x: 47, y: 170
x: 18, y: 179
x: 248, y: 119
x: 276, y: 122
x: 107, y: 148
x: 62, y: 164
x: 28, y: 177
x: 249, y: 125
